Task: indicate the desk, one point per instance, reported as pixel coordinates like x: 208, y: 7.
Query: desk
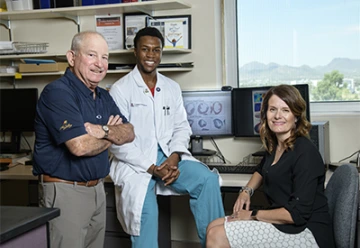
x: 18, y: 172
x: 24, y: 172
x: 231, y: 183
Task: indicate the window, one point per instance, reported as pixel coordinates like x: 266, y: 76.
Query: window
x: 297, y: 42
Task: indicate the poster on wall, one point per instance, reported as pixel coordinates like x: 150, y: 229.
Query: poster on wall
x: 132, y: 24
x: 110, y: 26
x: 175, y: 29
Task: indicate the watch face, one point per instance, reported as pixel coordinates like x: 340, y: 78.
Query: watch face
x: 105, y: 128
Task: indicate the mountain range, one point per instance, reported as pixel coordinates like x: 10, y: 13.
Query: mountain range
x: 350, y: 68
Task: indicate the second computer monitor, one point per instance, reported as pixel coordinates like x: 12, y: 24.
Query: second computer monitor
x: 247, y: 104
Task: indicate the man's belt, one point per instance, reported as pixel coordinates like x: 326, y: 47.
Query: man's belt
x: 49, y: 179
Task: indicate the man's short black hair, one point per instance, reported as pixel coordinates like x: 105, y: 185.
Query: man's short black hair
x: 149, y: 31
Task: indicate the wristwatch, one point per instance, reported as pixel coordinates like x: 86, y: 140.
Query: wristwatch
x: 106, y: 130
x: 254, y: 213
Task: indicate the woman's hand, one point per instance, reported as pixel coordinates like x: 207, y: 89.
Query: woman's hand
x: 240, y: 215
x: 243, y: 199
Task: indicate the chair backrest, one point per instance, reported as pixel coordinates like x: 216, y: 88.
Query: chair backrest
x: 342, y: 192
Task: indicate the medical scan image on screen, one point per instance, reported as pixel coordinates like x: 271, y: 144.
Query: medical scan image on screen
x: 209, y: 112
x: 257, y: 97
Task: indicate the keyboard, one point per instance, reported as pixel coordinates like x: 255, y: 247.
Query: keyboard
x: 234, y: 169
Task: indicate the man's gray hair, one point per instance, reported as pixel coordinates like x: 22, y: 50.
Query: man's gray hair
x: 79, y: 37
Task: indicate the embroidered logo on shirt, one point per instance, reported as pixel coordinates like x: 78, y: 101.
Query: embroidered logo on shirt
x: 65, y: 125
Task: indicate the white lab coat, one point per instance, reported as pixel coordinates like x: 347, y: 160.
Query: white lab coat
x: 170, y: 129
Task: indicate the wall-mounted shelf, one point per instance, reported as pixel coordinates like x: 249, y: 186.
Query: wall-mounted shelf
x: 147, y: 7
x: 172, y: 69
x: 34, y: 55
x: 53, y: 55
x: 165, y: 51
x: 123, y: 71
x: 33, y: 74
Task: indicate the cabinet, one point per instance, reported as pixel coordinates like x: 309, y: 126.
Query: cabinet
x: 115, y: 236
x: 74, y: 14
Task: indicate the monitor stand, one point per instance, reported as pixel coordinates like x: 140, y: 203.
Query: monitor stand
x: 196, y: 147
x: 260, y: 153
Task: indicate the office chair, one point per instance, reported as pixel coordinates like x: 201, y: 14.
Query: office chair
x: 342, y: 192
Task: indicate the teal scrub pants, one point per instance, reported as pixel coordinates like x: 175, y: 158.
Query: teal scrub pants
x: 206, y: 205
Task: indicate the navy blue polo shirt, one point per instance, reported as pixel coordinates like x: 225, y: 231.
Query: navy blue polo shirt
x: 63, y: 108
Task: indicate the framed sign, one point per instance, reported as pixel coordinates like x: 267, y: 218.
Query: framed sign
x: 175, y: 29
x: 132, y: 24
x: 110, y: 27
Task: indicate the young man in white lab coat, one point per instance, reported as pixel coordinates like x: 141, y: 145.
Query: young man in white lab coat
x: 157, y: 161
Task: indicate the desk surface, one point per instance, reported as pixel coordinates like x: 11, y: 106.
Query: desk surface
x: 18, y: 172
x: 18, y: 220
x: 24, y: 172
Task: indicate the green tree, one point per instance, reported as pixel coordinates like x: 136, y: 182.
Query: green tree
x: 332, y: 88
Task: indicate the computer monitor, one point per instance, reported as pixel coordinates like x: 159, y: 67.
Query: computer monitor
x: 17, y: 115
x: 209, y: 114
x: 246, y: 103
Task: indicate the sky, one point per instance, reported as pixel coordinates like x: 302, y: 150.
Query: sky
x: 298, y: 32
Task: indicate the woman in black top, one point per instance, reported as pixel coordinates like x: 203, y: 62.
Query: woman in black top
x: 292, y: 174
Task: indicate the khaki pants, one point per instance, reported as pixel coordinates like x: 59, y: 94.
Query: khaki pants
x: 82, y: 214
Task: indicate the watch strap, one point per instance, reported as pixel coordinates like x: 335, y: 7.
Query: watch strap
x: 254, y: 213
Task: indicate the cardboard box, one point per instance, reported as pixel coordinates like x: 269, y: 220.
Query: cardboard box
x: 60, y: 66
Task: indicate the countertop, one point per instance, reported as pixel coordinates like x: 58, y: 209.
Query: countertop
x: 18, y: 220
x: 24, y: 172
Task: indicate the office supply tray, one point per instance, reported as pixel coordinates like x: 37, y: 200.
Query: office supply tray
x: 234, y: 169
x: 25, y: 48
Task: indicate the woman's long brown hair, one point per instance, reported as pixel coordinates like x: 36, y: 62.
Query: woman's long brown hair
x: 292, y: 97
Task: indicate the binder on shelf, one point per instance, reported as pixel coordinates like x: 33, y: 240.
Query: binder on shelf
x: 114, y: 1
x: 87, y: 2
x: 100, y: 2
x: 97, y: 2
x: 65, y: 3
x: 43, y: 4
x: 47, y: 4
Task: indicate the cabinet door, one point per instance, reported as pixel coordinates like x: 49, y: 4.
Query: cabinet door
x: 114, y: 241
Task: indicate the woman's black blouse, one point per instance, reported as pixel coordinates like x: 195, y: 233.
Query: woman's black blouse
x: 296, y: 182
